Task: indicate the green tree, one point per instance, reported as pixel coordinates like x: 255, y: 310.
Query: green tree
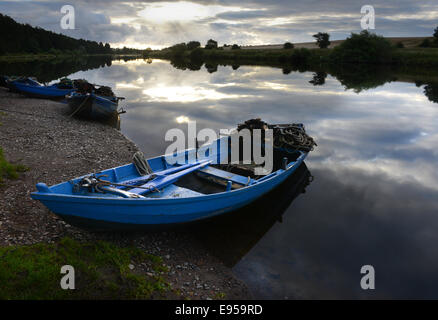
x: 425, y: 43
x: 22, y: 38
x: 32, y: 45
x: 107, y: 48
x: 178, y: 50
x: 365, y: 47
x: 322, y: 39
x: 288, y: 45
x: 435, y: 34
x: 211, y: 44
x: 193, y: 45
x: 235, y: 47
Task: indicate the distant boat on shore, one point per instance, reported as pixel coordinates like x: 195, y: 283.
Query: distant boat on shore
x: 92, y: 106
x: 31, y: 87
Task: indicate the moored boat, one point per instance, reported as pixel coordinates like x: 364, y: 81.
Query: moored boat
x: 91, y: 105
x: 93, y: 102
x: 163, y: 193
x: 33, y: 88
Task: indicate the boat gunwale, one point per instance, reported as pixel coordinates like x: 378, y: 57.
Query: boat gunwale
x: 78, y: 95
x: 140, y: 201
x: 51, y: 87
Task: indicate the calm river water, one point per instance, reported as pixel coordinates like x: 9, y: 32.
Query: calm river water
x: 374, y: 195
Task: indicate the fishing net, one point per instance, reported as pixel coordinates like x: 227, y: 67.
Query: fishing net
x: 288, y: 136
x: 104, y: 91
x: 83, y: 86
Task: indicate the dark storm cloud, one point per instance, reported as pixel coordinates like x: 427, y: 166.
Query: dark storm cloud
x: 252, y: 22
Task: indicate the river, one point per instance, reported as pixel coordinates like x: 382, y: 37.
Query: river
x: 373, y: 198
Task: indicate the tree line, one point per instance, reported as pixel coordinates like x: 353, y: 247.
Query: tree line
x: 23, y: 38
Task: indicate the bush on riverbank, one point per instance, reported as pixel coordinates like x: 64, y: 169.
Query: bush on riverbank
x: 102, y: 271
x: 178, y: 50
x: 365, y: 47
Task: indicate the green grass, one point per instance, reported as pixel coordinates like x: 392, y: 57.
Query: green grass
x: 9, y: 170
x: 417, y: 56
x: 28, y: 57
x: 101, y: 272
x: 24, y: 57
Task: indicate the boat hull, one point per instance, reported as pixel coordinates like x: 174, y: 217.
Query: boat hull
x: 161, y: 211
x: 92, y: 106
x: 38, y: 91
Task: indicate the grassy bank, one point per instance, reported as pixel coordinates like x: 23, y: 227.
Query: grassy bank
x: 26, y: 57
x: 416, y: 56
x: 102, y: 271
x: 275, y: 57
x: 9, y: 170
x: 271, y: 57
x: 365, y: 48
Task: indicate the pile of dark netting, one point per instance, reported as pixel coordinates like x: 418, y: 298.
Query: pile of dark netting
x: 289, y: 136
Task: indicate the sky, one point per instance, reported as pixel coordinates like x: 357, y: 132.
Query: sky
x: 158, y: 24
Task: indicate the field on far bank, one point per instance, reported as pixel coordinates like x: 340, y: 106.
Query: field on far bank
x: 408, y: 42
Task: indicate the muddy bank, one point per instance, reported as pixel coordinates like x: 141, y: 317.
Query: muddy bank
x: 39, y: 134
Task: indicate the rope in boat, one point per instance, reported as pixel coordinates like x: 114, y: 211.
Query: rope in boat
x: 141, y: 164
x: 109, y: 183
x: 93, y: 183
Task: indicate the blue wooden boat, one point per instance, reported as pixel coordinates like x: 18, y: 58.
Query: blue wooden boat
x: 169, y: 194
x: 92, y: 105
x: 33, y: 88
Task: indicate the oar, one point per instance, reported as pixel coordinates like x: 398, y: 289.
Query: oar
x: 162, y: 181
x: 144, y: 179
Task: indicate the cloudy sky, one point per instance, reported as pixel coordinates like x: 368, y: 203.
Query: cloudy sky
x: 159, y: 24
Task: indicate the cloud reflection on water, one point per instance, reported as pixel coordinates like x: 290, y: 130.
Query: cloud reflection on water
x: 374, y: 199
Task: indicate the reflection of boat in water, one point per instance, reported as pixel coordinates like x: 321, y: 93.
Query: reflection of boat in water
x: 231, y: 236
x: 113, y: 121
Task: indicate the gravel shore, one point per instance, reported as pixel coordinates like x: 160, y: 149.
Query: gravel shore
x: 39, y: 134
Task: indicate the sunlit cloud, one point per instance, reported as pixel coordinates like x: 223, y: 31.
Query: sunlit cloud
x: 186, y: 94
x: 183, y: 11
x: 182, y: 119
x: 127, y: 86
